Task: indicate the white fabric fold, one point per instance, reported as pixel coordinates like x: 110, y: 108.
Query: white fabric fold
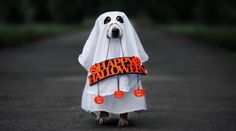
x: 98, y: 44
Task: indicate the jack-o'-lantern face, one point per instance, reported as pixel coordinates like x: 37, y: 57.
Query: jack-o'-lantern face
x: 99, y: 99
x: 119, y: 94
x: 93, y: 69
x: 136, y: 60
x: 139, y: 92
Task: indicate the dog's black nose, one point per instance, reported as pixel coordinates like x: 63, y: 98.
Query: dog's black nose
x: 115, y: 32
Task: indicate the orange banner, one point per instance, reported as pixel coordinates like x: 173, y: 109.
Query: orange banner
x: 116, y: 66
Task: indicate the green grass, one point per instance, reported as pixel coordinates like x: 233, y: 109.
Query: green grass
x: 224, y: 36
x: 12, y: 35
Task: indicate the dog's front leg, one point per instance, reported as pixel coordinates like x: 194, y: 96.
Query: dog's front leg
x: 103, y: 117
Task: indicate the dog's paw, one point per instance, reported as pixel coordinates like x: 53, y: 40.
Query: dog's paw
x: 123, y: 123
x: 102, y: 120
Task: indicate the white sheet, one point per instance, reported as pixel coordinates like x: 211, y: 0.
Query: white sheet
x: 95, y: 50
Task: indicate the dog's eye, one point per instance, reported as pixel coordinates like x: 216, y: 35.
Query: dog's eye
x: 107, y: 19
x: 120, y: 19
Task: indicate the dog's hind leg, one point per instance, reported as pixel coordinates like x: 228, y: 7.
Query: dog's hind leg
x: 123, y: 120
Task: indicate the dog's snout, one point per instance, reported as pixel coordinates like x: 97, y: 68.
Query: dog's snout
x: 115, y: 32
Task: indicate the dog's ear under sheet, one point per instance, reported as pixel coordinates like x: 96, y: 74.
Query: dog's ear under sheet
x: 88, y: 52
x: 133, y: 38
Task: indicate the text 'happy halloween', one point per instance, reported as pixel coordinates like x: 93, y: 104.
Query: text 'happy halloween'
x: 116, y: 66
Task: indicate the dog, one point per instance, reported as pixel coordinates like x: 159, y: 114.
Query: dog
x: 112, y: 36
x: 114, y: 32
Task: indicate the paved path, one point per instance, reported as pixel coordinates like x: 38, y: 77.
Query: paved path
x: 191, y: 86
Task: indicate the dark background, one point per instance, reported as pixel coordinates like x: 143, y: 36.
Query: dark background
x: 191, y: 71
x: 161, y: 11
x: 209, y: 21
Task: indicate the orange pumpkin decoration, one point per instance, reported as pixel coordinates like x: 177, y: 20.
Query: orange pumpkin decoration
x: 139, y: 92
x: 99, y: 99
x: 93, y: 69
x: 136, y: 60
x: 119, y: 94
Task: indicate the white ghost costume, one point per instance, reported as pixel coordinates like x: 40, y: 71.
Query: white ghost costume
x: 98, y: 48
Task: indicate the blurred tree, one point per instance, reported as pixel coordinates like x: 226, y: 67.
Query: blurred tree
x: 162, y: 11
x: 65, y: 11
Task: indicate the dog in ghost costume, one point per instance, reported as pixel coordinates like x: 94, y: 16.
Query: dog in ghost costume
x: 112, y: 36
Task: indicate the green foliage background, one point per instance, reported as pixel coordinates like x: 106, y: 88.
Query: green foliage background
x: 209, y: 21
